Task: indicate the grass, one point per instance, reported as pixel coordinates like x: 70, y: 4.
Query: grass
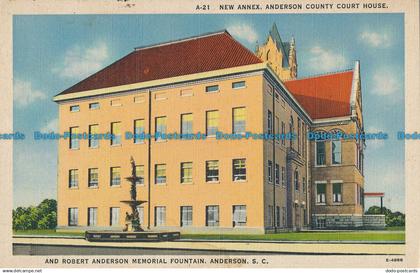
x: 287, y: 236
x: 306, y: 236
x: 49, y: 232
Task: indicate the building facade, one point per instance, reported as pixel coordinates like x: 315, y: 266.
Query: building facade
x: 213, y: 163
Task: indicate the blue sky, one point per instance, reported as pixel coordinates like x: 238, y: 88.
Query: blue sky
x: 52, y: 53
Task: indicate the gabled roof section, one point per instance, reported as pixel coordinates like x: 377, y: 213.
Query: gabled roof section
x: 198, y: 54
x: 324, y: 96
x: 275, y: 35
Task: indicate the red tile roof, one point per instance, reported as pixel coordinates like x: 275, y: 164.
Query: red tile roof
x: 324, y: 96
x: 189, y: 56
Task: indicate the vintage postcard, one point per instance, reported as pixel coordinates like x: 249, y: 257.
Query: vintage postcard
x: 202, y: 134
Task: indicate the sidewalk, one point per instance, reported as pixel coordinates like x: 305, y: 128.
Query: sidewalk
x: 251, y: 247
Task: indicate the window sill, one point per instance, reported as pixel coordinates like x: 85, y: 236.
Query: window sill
x: 338, y: 203
x: 336, y: 165
x: 74, y: 149
x: 160, y: 184
x: 238, y: 88
x: 213, y: 182
x: 320, y: 166
x: 94, y: 148
x: 115, y: 186
x: 240, y: 181
x: 140, y: 142
x: 116, y: 145
x: 320, y: 204
x: 73, y: 188
x: 187, y: 183
x: 93, y: 187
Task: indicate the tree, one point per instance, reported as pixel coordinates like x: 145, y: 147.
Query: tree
x: 392, y: 219
x: 43, y: 216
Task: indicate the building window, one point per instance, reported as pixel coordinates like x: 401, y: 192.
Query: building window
x: 269, y: 122
x: 296, y: 180
x: 212, y: 216
x: 337, y: 192
x: 94, y: 105
x: 298, y: 135
x: 92, y: 216
x: 139, y: 131
x: 160, y: 173
x: 277, y: 174
x: 74, y: 139
x: 277, y: 127
x: 73, y: 216
x: 186, y: 216
x: 74, y: 108
x: 320, y: 223
x: 270, y: 171
x: 186, y: 93
x: 93, y: 136
x: 320, y: 192
x: 283, y: 133
x: 239, y: 215
x: 140, y: 174
x: 186, y: 172
x: 239, y: 120
x: 320, y: 153
x: 336, y: 151
x: 212, y: 122
x: 278, y: 216
x: 114, y: 216
x: 93, y: 177
x: 187, y: 123
x: 160, y: 128
x: 270, y: 216
x: 116, y: 102
x: 238, y: 85
x: 116, y: 133
x: 212, y: 171
x: 140, y: 211
x: 239, y: 169
x: 115, y: 176
x: 303, y: 185
x: 291, y: 130
x: 212, y: 88
x: 160, y: 216
x: 73, y: 178
x: 283, y: 176
x: 283, y: 216
x: 138, y: 99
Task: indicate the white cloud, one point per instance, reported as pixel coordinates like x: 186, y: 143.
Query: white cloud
x: 24, y: 94
x: 80, y: 62
x: 385, y: 82
x: 51, y: 126
x: 374, y: 143
x: 326, y: 60
x: 243, y: 31
x: 375, y: 39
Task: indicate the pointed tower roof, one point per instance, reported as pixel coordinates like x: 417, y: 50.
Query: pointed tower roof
x: 283, y: 47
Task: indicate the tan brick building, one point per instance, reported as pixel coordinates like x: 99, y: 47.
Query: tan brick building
x: 212, y: 88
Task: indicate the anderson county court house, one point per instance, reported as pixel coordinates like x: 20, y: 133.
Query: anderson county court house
x: 208, y: 84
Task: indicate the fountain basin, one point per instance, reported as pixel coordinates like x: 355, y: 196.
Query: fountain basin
x: 133, y: 236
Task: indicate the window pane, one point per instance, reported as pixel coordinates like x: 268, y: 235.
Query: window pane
x: 93, y: 177
x: 320, y: 153
x: 93, y: 131
x: 186, y: 172
x: 73, y: 178
x: 115, y: 176
x: 160, y: 173
x: 239, y: 120
x: 212, y: 170
x: 160, y: 127
x: 114, y: 216
x: 92, y: 216
x: 94, y: 106
x: 116, y: 133
x: 74, y: 108
x: 336, y: 152
x: 140, y: 174
x: 212, y: 88
x: 239, y: 215
x: 186, y: 124
x: 212, y: 216
x: 160, y: 216
x: 74, y: 140
x: 73, y: 216
x: 212, y: 122
x: 138, y: 130
x: 186, y: 216
x: 237, y: 85
x: 239, y: 169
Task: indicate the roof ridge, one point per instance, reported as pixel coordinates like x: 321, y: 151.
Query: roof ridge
x: 207, y: 34
x: 322, y: 75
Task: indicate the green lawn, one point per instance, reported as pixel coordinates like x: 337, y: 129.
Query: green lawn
x: 287, y: 236
x: 308, y: 236
x: 50, y: 232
